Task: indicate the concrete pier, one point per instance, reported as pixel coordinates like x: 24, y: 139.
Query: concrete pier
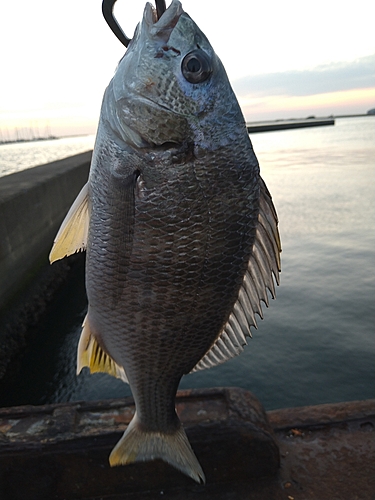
x: 33, y: 204
x: 270, y: 126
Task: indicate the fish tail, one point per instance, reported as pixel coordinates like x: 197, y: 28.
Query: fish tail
x: 174, y: 448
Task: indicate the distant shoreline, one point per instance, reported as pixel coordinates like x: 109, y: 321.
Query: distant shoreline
x: 253, y: 126
x: 312, y: 117
x: 293, y: 123
x: 37, y: 139
x: 288, y: 124
x: 42, y: 139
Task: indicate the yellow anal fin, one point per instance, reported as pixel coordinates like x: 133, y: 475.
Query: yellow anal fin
x: 72, y: 235
x: 91, y: 355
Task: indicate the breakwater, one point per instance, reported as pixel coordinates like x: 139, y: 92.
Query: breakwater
x: 33, y: 204
x: 288, y: 124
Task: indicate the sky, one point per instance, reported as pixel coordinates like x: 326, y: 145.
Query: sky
x: 287, y: 59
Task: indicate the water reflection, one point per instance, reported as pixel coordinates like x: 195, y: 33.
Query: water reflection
x: 316, y: 342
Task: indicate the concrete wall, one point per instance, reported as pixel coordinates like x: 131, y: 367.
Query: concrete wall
x: 32, y: 205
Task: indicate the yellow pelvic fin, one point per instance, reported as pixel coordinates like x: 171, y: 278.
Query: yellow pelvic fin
x: 72, y: 235
x: 92, y: 355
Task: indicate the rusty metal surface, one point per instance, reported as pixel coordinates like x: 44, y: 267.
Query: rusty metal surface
x: 59, y: 422
x: 327, y: 451
x: 61, y: 451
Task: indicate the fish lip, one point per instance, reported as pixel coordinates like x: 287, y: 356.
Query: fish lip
x: 163, y: 27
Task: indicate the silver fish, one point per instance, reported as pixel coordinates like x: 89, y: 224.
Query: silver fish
x: 180, y: 231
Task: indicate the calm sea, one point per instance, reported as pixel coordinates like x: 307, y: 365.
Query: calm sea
x: 22, y: 155
x: 316, y: 343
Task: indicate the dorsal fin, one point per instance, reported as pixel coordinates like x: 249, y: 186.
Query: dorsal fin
x: 92, y: 355
x: 263, y: 267
x: 72, y: 235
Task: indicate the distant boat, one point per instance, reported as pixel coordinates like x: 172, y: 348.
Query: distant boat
x: 30, y: 134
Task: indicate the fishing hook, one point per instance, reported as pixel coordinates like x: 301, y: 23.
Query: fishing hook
x: 107, y: 9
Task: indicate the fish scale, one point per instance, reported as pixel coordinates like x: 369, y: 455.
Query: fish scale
x: 180, y: 231
x: 190, y: 294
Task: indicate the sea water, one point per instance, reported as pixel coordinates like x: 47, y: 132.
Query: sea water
x: 316, y: 343
x: 18, y: 156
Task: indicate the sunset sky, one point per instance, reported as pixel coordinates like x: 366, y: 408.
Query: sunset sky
x: 284, y: 59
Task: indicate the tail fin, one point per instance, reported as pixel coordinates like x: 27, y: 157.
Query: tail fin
x: 138, y: 445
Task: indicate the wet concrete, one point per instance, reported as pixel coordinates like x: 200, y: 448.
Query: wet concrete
x: 321, y: 452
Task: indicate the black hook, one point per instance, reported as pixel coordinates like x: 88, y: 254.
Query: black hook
x: 107, y: 9
x: 160, y: 7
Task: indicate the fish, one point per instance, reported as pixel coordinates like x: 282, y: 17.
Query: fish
x: 180, y: 231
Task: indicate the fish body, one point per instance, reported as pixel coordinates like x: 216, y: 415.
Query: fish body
x: 180, y: 230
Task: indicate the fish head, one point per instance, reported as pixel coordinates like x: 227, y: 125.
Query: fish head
x: 170, y: 83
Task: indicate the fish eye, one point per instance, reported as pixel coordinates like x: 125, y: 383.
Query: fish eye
x: 196, y: 66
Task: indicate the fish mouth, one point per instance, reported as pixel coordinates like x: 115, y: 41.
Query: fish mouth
x: 162, y: 27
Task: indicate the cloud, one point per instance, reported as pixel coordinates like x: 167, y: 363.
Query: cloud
x: 323, y: 79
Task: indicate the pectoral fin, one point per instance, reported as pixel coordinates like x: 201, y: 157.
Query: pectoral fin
x: 92, y: 355
x: 72, y: 235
